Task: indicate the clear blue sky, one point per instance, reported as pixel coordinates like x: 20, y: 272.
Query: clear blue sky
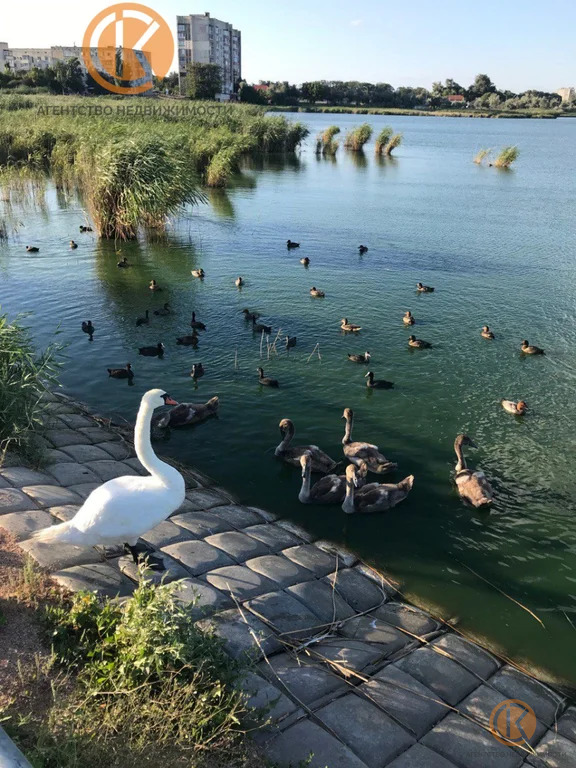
x: 520, y: 44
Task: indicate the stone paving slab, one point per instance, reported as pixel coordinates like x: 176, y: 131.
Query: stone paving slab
x: 14, y: 500
x: 445, y: 677
x: 201, y: 523
x: 51, y: 495
x: 198, y: 557
x: 358, y: 591
x: 286, y: 614
x: 22, y: 524
x: 173, y: 570
x: 120, y: 451
x: 202, y: 599
x: 206, y: 499
x: 348, y: 656
x: 307, y: 683
x: 566, y: 725
x: 54, y: 456
x: 83, y: 452
x: 282, y: 571
x: 472, y: 657
x: 468, y: 745
x: 371, y: 630
x: 405, y: 699
x: 546, y: 703
x: 324, y: 602
x: 21, y: 476
x: 63, y: 512
x: 60, y: 438
x: 243, y: 633
x: 419, y: 756
x: 108, y: 469
x: 305, y: 738
x: 102, y: 577
x: 72, y: 474
x: 405, y: 617
x: 274, y: 537
x: 54, y: 557
x: 266, y: 698
x: 84, y: 489
x: 239, y: 581
x: 371, y: 735
x: 238, y: 545
x: 554, y: 751
x: 320, y: 563
x: 167, y: 532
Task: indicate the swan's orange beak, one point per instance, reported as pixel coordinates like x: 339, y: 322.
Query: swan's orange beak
x: 170, y: 400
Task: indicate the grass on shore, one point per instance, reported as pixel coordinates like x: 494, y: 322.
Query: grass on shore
x: 24, y: 377
x: 133, y: 170
x: 133, y: 683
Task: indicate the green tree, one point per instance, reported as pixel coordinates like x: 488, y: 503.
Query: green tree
x: 203, y: 81
x: 249, y: 95
x: 481, y: 85
x: 68, y: 76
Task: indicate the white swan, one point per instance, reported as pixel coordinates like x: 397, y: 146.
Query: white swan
x: 123, y: 509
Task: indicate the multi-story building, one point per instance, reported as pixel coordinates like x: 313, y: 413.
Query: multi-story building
x: 204, y: 40
x: 25, y: 59
x: 567, y: 94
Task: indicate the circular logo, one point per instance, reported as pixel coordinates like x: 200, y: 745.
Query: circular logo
x: 513, y: 722
x: 129, y: 43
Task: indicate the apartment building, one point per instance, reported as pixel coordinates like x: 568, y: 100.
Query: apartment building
x: 205, y: 40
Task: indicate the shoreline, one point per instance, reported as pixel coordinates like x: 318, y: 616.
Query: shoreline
x: 351, y: 670
x: 398, y: 111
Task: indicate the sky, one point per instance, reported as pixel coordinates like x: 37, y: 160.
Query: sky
x: 520, y: 44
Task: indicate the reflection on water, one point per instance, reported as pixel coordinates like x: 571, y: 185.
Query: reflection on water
x: 498, y: 247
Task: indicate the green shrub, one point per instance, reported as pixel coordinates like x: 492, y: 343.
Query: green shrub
x: 356, y: 138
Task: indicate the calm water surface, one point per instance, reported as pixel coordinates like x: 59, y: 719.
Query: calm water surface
x: 498, y: 246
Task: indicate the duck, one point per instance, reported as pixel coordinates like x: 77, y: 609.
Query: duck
x: 121, y: 373
x: 250, y: 315
x: 418, y: 343
x: 363, y: 249
x: 290, y: 244
x: 349, y: 327
x: 122, y: 510
x: 530, y: 349
x: 373, y: 383
x: 265, y: 380
x: 330, y: 489
x: 305, y: 261
x: 473, y: 487
x: 259, y: 328
x: 424, y: 288
x: 317, y: 293
x: 32, y: 249
x: 408, y: 318
x: 320, y: 461
x: 143, y: 320
x: 88, y: 328
x: 239, y: 282
x: 365, y: 358
x: 197, y: 371
x: 374, y: 497
x: 486, y: 333
x: 85, y: 229
x: 163, y: 311
x: 155, y: 351
x: 73, y: 244
x: 184, y: 414
x: 188, y: 341
x: 291, y: 341
x: 518, y: 409
x: 199, y: 273
x: 356, y: 452
x: 196, y: 323
x: 154, y: 286
x: 123, y: 263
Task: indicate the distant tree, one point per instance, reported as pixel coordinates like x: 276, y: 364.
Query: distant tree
x: 314, y: 91
x: 494, y: 100
x: 481, y: 85
x: 203, y: 81
x: 249, y: 95
x: 68, y: 76
x: 168, y: 83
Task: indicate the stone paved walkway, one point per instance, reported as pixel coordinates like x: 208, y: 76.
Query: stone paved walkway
x: 347, y: 670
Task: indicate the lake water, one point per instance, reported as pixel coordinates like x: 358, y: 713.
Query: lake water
x: 498, y: 246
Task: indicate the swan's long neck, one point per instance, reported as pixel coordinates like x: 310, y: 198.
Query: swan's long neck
x: 348, y: 505
x: 143, y: 446
x: 286, y: 440
x: 348, y: 432
x: 461, y: 463
x: 304, y: 494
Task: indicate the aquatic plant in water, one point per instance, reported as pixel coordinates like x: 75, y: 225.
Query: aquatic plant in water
x: 356, y: 138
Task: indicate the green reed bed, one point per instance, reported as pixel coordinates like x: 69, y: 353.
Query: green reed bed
x: 325, y: 143
x: 357, y: 138
x: 506, y: 157
x: 25, y: 376
x: 134, y: 169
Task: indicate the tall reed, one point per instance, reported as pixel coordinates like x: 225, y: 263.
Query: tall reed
x: 481, y: 156
x: 382, y: 139
x: 393, y: 142
x: 506, y: 157
x: 356, y: 138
